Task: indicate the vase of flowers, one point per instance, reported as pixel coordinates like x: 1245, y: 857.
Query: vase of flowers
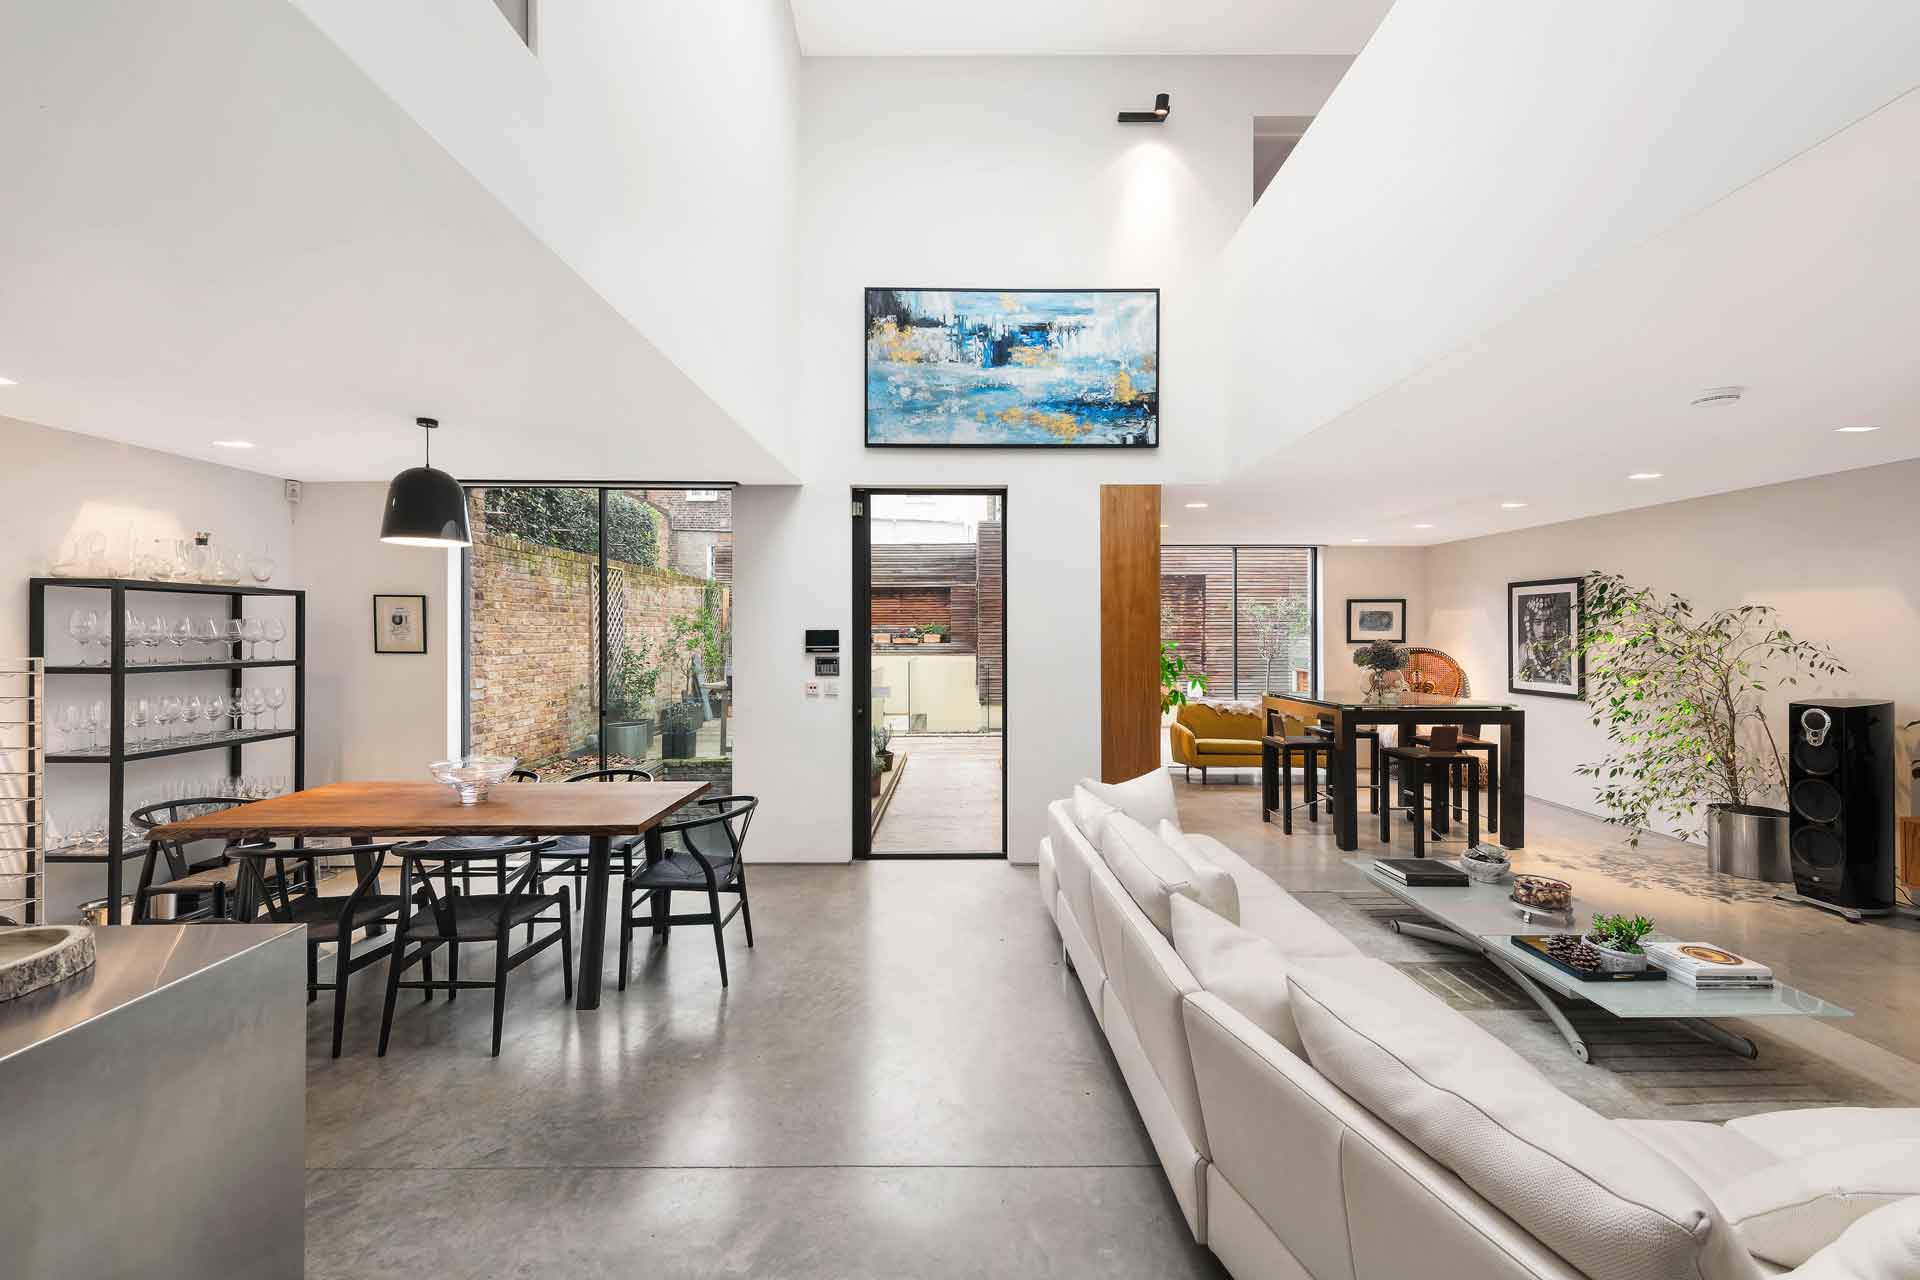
x: 1383, y: 661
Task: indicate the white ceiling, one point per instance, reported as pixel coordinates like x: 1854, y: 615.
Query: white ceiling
x: 1603, y: 210
x: 879, y: 28
x: 234, y: 234
x: 1803, y: 287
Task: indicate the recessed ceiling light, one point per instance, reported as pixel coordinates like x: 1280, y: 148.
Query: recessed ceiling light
x: 1855, y: 431
x: 1360, y: 539
x: 1423, y: 526
x: 1645, y: 475
x: 1195, y: 506
x: 1718, y: 396
x: 1166, y: 526
x: 1512, y: 506
x: 8, y: 382
x: 233, y: 444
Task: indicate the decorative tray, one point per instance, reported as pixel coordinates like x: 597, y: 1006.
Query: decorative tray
x: 1535, y: 944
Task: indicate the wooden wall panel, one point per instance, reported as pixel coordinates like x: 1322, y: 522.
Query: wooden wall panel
x: 1129, y: 630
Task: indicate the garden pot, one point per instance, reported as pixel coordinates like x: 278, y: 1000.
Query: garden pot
x: 1612, y: 961
x: 876, y: 786
x: 630, y: 738
x: 1750, y: 842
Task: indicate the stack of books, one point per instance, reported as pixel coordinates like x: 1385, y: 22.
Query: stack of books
x: 1424, y: 873
x: 1707, y: 967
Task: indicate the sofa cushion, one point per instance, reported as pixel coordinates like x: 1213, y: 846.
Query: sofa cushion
x: 1089, y: 812
x: 1242, y: 968
x: 1218, y: 892
x: 1884, y: 1245
x: 1789, y: 1211
x: 1711, y: 1154
x: 1150, y: 872
x: 1270, y: 911
x: 1146, y: 799
x: 1585, y: 1188
x: 1226, y: 747
x: 1791, y: 1134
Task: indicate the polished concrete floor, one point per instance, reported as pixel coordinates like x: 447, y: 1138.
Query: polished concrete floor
x: 902, y: 1081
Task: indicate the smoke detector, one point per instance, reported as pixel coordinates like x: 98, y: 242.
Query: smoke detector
x: 1718, y: 396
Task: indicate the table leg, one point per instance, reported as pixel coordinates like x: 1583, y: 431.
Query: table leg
x: 363, y: 863
x: 1464, y: 942
x: 1346, y: 796
x: 1721, y: 1036
x: 1513, y: 782
x: 593, y: 927
x: 1269, y: 779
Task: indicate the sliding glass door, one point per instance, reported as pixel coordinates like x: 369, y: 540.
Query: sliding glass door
x: 599, y: 629
x: 1245, y: 618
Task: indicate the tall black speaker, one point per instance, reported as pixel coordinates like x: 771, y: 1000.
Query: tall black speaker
x: 1840, y: 772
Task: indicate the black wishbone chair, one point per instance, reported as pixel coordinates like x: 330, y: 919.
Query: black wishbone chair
x: 211, y: 878
x: 327, y: 919
x: 452, y: 918
x: 700, y: 853
x: 569, y: 855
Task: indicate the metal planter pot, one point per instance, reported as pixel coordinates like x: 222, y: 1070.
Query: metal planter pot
x: 1750, y: 842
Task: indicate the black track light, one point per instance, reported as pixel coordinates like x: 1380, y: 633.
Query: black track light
x: 1162, y: 106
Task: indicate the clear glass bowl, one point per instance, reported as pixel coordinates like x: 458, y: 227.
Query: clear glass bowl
x: 472, y: 776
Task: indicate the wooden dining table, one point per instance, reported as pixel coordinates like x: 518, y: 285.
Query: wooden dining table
x: 366, y: 811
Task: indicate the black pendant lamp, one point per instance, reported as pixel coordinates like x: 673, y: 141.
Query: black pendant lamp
x: 426, y: 508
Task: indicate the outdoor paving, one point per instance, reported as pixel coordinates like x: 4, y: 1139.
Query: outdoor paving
x: 948, y: 800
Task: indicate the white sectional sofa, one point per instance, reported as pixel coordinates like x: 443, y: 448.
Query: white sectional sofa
x: 1444, y: 1154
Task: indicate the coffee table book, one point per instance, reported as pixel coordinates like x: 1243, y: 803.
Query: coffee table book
x: 1423, y: 872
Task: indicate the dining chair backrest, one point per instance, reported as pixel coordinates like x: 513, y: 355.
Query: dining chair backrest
x: 147, y: 817
x: 1432, y: 671
x: 523, y: 775
x: 1444, y: 737
x: 612, y: 775
x: 715, y: 828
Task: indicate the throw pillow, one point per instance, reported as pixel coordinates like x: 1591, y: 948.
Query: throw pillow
x: 1150, y: 872
x: 1242, y: 968
x: 1218, y: 892
x: 1146, y: 799
x: 1790, y: 1211
x: 1090, y: 814
x: 1884, y: 1245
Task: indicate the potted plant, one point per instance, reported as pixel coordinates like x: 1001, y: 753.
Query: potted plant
x: 882, y: 749
x: 909, y: 636
x: 1679, y: 696
x: 1176, y: 682
x: 935, y: 633
x: 1617, y: 939
x: 1383, y: 660
x: 876, y: 771
x: 630, y: 691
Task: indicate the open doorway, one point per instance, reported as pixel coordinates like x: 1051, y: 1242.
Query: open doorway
x: 927, y: 656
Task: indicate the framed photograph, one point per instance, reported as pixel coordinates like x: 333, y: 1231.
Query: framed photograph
x: 399, y: 624
x: 1376, y: 620
x: 1013, y: 368
x: 1543, y: 630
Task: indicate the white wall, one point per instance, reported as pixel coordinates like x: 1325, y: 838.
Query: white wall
x: 1835, y: 554
x: 56, y: 486
x: 1369, y: 573
x: 984, y: 173
x: 373, y: 715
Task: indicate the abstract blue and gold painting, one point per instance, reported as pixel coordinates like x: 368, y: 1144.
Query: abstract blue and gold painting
x: 1015, y: 368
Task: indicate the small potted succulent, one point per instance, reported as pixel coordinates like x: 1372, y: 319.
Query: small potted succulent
x: 1383, y: 661
x: 882, y: 748
x: 877, y: 777
x: 1617, y: 939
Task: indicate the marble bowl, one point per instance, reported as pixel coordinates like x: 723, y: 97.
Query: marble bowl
x: 1485, y: 866
x: 471, y: 777
x: 37, y: 956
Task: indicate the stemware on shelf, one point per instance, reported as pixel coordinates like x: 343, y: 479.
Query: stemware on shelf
x: 96, y: 721
x: 216, y: 714
x: 139, y: 716
x: 152, y: 636
x: 256, y: 706
x: 70, y: 721
x: 276, y: 631
x: 82, y: 625
x: 180, y: 635
x: 133, y: 628
x: 237, y: 707
x: 255, y: 635
x: 192, y: 712
x: 207, y: 632
x: 233, y: 635
x: 261, y: 566
x: 165, y: 714
x: 276, y: 698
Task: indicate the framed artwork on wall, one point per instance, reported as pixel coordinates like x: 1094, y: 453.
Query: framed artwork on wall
x: 1543, y: 631
x: 1012, y: 368
x: 399, y: 624
x: 1376, y: 620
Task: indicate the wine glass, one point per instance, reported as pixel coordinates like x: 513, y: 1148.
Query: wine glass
x: 96, y: 721
x: 256, y: 706
x: 192, y: 713
x: 216, y: 714
x: 260, y: 566
x: 276, y: 631
x: 276, y: 698
x: 70, y: 722
x: 139, y: 716
x: 255, y: 634
x: 153, y: 636
x: 135, y: 630
x: 231, y: 636
x: 165, y: 714
x: 207, y: 632
x: 82, y: 625
x: 180, y: 635
x: 237, y: 707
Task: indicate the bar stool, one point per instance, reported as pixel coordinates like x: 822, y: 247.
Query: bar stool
x: 1435, y: 767
x: 1277, y: 754
x: 1470, y: 740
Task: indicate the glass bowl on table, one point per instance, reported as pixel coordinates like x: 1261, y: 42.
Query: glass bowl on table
x: 471, y: 777
x: 1543, y: 896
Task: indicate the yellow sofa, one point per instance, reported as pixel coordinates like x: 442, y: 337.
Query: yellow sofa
x: 1208, y: 736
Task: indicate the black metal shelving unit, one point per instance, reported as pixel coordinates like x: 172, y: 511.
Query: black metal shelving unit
x: 116, y: 756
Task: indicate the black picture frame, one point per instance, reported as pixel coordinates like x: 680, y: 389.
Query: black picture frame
x: 381, y: 604
x: 1571, y: 590
x: 866, y: 405
x: 1355, y: 604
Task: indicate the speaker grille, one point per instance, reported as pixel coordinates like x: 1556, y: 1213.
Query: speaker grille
x: 1818, y: 849
x: 1823, y: 759
x: 1816, y: 800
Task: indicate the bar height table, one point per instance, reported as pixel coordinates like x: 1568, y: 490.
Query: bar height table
x: 1347, y: 712
x: 364, y: 811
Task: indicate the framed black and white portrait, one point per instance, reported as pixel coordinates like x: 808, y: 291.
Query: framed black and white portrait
x: 1543, y: 638
x: 399, y: 624
x: 1376, y: 620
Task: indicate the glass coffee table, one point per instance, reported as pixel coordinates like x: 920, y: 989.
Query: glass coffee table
x: 1483, y: 919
